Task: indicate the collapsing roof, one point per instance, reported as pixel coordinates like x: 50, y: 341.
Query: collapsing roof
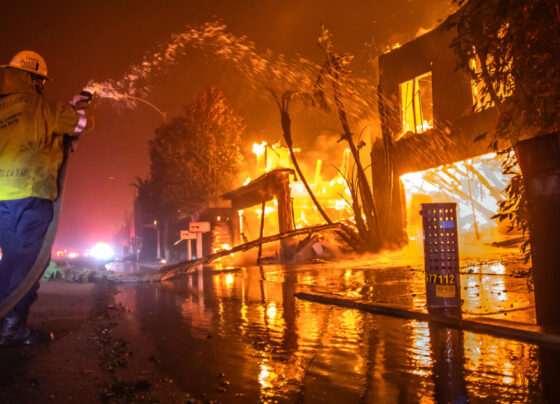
x: 265, y: 188
x: 272, y: 185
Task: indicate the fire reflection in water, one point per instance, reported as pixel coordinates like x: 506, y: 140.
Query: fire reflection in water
x: 488, y: 291
x: 502, y: 364
x: 274, y: 347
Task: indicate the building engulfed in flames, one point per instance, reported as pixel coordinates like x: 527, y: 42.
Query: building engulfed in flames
x: 432, y: 155
x: 333, y: 193
x: 433, y: 123
x: 275, y: 192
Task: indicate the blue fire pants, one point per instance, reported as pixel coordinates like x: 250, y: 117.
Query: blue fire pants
x: 23, y: 227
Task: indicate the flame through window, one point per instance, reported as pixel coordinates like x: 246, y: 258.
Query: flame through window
x: 417, y: 111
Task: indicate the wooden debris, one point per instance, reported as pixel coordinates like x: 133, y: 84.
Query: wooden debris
x: 187, y: 267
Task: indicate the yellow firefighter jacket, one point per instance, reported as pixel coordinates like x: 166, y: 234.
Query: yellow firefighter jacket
x: 31, y: 138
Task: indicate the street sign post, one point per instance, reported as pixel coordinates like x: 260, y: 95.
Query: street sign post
x: 198, y: 228
x: 187, y: 235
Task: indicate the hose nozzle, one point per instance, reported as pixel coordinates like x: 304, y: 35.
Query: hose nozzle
x: 86, y: 95
x: 81, y: 100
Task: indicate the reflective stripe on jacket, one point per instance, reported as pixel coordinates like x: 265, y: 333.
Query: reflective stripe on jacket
x: 31, y: 141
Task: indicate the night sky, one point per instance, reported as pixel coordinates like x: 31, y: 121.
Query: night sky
x: 99, y: 39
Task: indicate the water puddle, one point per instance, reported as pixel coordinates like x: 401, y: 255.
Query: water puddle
x: 242, y: 334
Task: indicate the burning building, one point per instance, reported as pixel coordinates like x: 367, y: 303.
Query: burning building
x: 277, y: 201
x: 427, y: 152
x: 430, y: 149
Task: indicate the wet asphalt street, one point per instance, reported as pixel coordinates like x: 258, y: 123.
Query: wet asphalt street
x: 240, y: 335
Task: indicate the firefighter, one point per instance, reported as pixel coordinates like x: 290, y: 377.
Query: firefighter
x: 32, y: 131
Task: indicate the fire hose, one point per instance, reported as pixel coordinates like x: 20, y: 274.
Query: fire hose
x: 44, y: 256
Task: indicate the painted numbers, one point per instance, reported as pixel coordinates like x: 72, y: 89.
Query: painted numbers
x: 440, y: 279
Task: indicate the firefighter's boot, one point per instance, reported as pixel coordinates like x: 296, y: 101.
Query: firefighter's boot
x: 14, y: 330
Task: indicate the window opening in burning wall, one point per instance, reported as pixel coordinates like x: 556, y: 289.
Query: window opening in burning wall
x: 417, y: 108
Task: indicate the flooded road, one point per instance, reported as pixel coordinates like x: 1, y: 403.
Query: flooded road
x: 241, y: 336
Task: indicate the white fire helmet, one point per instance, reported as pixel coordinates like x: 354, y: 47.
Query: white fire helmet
x: 31, y: 62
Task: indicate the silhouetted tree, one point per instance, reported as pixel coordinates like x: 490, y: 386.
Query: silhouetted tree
x: 363, y: 201
x: 195, y: 156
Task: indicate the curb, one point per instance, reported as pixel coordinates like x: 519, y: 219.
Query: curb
x: 535, y: 337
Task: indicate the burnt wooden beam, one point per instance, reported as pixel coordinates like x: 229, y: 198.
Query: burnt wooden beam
x: 186, y: 267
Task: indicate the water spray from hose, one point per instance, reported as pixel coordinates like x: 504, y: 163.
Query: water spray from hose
x: 255, y: 70
x: 106, y: 90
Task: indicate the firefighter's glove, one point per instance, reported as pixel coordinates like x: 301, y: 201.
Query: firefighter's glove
x: 81, y: 103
